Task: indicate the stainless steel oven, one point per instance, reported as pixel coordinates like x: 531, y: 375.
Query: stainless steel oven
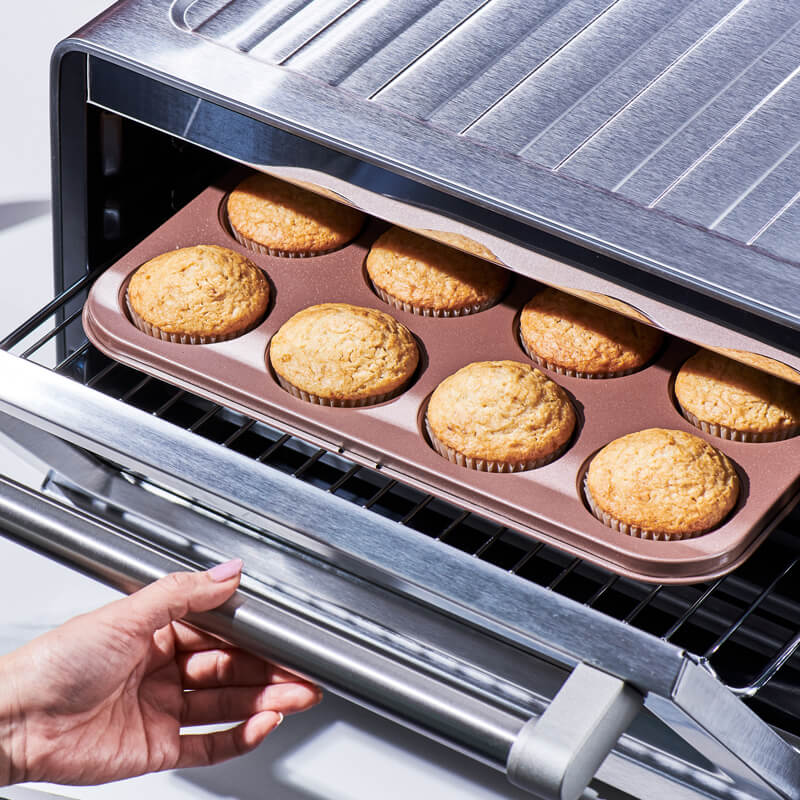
x: 644, y: 152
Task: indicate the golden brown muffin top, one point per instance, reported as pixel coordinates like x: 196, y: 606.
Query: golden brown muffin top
x: 424, y: 273
x: 665, y: 481
x: 460, y: 241
x: 282, y: 216
x: 501, y: 411
x: 611, y: 303
x: 344, y: 352
x: 203, y: 290
x: 765, y: 364
x: 725, y: 392
x: 583, y: 337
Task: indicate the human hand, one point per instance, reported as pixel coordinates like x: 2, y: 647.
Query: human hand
x: 103, y: 697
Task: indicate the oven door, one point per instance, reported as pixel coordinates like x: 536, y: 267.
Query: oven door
x: 512, y: 673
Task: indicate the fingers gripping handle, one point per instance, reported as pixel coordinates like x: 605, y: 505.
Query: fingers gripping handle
x: 556, y: 755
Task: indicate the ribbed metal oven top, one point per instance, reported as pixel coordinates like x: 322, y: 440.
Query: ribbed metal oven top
x: 665, y: 132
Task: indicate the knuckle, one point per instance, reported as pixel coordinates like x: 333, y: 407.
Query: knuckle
x: 177, y: 581
x: 175, y: 592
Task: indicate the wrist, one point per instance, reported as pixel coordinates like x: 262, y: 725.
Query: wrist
x: 12, y: 726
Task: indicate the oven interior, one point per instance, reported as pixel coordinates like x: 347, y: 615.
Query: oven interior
x: 743, y: 625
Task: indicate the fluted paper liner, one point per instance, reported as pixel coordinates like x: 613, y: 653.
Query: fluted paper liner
x: 631, y: 530
x: 422, y: 311
x: 571, y: 373
x: 182, y: 338
x: 733, y: 435
x: 485, y: 464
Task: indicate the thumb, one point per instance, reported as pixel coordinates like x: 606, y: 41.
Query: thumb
x: 180, y: 593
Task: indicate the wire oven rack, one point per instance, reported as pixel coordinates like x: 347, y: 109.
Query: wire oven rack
x: 745, y: 625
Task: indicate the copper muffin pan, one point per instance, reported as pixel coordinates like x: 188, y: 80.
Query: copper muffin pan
x: 545, y: 503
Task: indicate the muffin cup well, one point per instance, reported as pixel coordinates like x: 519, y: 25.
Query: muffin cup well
x: 422, y: 311
x: 486, y: 465
x: 181, y: 338
x: 631, y: 530
x: 317, y: 400
x: 733, y: 435
x: 571, y: 373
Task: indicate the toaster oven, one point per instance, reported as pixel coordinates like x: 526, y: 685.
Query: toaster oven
x: 645, y: 153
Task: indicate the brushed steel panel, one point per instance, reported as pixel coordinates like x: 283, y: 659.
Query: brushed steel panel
x: 711, y: 121
x: 532, y: 48
x: 239, y: 24
x: 749, y: 29
x: 782, y: 235
x: 615, y: 91
x: 456, y: 62
x: 574, y: 70
x: 353, y: 40
x: 670, y: 103
x: 221, y: 16
x: 274, y: 43
x: 742, y: 159
x: 464, y: 54
x: 762, y: 204
x: 408, y: 45
x: 195, y: 12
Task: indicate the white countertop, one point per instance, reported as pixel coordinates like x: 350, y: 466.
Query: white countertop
x: 334, y: 751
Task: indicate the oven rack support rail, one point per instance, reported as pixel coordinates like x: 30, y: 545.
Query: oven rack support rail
x: 751, y: 760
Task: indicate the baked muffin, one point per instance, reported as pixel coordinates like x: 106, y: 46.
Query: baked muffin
x: 424, y: 277
x: 499, y: 416
x: 765, y: 364
x: 280, y: 219
x: 336, y: 354
x: 661, y: 484
x: 197, y: 295
x: 460, y: 241
x: 573, y: 337
x: 734, y: 401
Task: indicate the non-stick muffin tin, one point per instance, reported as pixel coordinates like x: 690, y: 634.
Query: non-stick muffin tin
x: 545, y: 503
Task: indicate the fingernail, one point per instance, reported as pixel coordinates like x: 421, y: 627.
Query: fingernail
x: 224, y: 572
x: 280, y: 719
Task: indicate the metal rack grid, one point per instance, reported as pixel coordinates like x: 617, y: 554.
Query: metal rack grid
x: 746, y: 625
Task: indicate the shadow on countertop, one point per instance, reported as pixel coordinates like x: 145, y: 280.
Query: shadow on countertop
x: 12, y: 214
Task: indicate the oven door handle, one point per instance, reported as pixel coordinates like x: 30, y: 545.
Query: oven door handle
x: 554, y: 756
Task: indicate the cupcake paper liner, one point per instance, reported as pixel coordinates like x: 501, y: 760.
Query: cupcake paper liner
x: 733, y: 435
x: 336, y: 403
x: 631, y: 530
x: 181, y: 338
x: 570, y: 373
x: 250, y: 244
x: 421, y: 311
x: 484, y: 464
